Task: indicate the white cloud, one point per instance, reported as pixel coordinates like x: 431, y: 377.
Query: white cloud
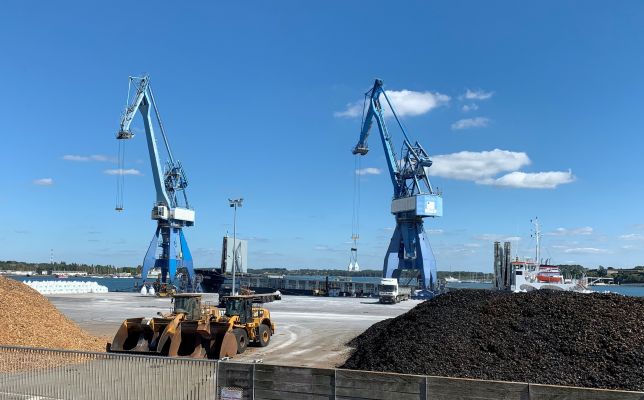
x: 412, y: 103
x: 71, y: 157
x: 470, y: 107
x: 435, y: 231
x: 469, y: 165
x: 406, y: 103
x: 255, y: 238
x: 353, y: 110
x: 44, y: 182
x: 585, y: 250
x: 130, y: 171
x: 476, y: 95
x: 632, y: 236
x: 531, y: 180
x: 95, y: 157
x: 467, y: 123
x: 482, y: 166
x: 586, y: 230
x: 101, y: 158
x: 326, y: 248
x: 491, y: 237
x: 368, y: 171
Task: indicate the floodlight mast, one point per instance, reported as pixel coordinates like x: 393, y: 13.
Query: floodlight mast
x: 234, y: 203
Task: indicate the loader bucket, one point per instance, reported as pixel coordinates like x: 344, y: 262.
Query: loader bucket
x: 224, y: 343
x: 188, y: 342
x: 133, y: 335
x: 138, y: 335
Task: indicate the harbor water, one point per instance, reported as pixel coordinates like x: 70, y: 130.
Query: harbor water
x: 128, y: 284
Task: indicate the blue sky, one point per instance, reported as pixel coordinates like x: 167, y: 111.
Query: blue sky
x: 527, y: 110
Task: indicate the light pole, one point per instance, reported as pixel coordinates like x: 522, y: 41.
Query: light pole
x: 235, y: 203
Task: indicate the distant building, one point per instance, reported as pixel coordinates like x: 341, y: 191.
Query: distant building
x: 614, y: 271
x: 241, y: 253
x: 69, y: 273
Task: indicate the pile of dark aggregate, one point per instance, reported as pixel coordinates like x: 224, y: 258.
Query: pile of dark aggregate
x: 548, y: 337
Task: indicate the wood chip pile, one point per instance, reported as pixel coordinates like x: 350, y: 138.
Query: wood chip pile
x: 29, y: 319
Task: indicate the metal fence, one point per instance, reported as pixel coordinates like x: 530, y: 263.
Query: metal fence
x: 29, y: 373
x: 43, y: 374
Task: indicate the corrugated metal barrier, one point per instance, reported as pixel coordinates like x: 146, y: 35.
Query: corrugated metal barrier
x: 29, y: 373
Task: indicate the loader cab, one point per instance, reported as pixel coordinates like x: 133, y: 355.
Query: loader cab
x: 241, y: 306
x: 189, y: 304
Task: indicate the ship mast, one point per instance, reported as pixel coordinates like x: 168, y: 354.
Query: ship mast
x: 537, y: 235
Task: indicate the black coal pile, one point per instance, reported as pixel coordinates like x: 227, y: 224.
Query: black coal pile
x: 548, y: 337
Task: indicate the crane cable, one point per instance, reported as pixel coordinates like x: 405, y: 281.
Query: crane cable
x: 120, y: 181
x: 355, y: 227
x: 120, y: 176
x: 355, y: 222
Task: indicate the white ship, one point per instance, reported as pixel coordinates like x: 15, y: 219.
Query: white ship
x: 532, y: 275
x: 154, y: 273
x: 528, y: 275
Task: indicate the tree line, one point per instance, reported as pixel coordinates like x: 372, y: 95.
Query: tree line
x: 63, y: 266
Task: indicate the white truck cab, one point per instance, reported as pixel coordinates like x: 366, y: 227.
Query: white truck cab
x: 390, y: 292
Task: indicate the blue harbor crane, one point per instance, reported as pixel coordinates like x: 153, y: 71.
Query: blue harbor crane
x: 413, y: 199
x: 168, y: 250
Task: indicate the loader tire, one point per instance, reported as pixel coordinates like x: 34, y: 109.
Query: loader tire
x: 264, y: 336
x: 242, y: 339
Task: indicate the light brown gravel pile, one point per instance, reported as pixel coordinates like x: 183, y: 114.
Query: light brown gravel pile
x: 27, y: 318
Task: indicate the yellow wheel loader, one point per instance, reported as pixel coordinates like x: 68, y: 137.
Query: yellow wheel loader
x: 248, y: 324
x: 196, y: 330
x: 165, y: 290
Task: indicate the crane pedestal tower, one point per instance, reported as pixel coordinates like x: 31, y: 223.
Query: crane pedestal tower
x: 412, y: 252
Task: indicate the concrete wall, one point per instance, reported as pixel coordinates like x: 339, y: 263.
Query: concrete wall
x: 260, y: 381
x: 289, y: 283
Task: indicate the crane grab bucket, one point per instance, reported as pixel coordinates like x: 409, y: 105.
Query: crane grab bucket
x: 124, y: 135
x: 360, y: 150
